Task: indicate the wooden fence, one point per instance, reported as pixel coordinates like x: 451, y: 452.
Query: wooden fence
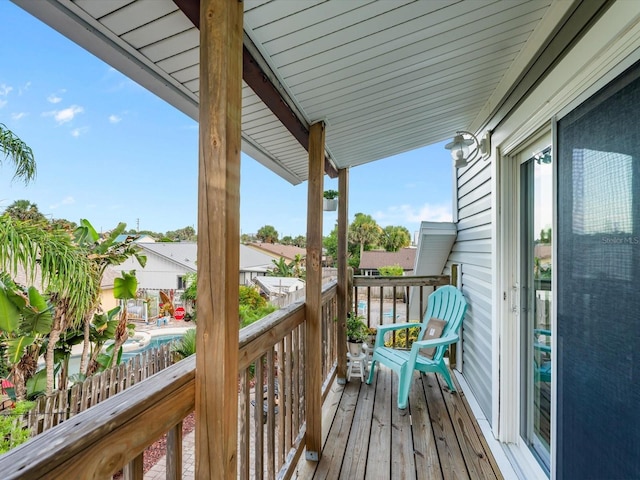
x: 51, y: 410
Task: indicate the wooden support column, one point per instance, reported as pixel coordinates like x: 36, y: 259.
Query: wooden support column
x: 218, y: 238
x: 343, y: 278
x: 313, y: 304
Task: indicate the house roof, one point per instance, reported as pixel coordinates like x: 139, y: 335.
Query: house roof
x: 374, y: 259
x: 182, y: 253
x: 185, y: 254
x: 279, y: 285
x: 386, y: 77
x: 277, y: 250
x: 141, y: 239
x: 21, y: 278
x: 252, y: 260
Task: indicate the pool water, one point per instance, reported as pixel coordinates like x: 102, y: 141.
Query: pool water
x: 155, y: 342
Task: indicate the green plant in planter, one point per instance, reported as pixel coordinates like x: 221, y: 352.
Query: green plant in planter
x: 357, y: 330
x: 329, y: 194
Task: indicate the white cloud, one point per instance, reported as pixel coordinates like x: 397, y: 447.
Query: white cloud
x: 64, y: 115
x: 24, y: 88
x: 5, y: 89
x: 114, y: 118
x: 405, y: 214
x: 18, y: 116
x: 65, y: 201
x: 76, y: 132
x: 53, y: 98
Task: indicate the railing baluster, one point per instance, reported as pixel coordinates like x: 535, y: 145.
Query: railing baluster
x: 271, y: 413
x: 134, y: 470
x: 258, y: 413
x: 244, y: 426
x: 174, y: 453
x: 288, y: 394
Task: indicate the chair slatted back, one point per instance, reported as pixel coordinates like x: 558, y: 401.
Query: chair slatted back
x: 446, y: 303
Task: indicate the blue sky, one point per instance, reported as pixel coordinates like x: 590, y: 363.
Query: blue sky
x: 109, y: 151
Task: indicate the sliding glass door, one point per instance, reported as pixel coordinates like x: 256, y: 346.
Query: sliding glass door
x: 536, y: 238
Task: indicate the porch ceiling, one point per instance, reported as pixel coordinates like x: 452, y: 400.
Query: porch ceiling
x: 386, y: 76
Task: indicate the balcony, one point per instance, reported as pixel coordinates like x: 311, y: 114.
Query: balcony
x: 363, y: 432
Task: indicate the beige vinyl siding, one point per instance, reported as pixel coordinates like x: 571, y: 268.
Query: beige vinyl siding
x: 472, y: 251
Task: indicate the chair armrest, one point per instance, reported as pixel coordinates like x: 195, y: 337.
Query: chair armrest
x: 382, y: 329
x: 436, y: 342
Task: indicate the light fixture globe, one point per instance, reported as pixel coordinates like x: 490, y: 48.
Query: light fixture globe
x: 460, y: 148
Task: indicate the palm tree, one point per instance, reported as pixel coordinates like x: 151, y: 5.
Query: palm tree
x: 19, y: 153
x: 364, y: 231
x: 64, y: 270
x: 102, y: 252
x: 395, y: 238
x: 25, y: 210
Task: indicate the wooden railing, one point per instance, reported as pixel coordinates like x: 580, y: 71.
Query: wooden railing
x: 51, y: 410
x: 113, y: 435
x: 385, y: 299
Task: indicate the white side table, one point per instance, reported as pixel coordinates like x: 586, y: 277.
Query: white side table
x: 357, y: 365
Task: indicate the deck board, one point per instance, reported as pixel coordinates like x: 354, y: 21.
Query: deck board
x: 367, y: 437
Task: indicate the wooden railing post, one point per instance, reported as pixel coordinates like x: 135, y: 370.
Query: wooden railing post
x: 313, y: 310
x: 344, y: 286
x: 221, y: 36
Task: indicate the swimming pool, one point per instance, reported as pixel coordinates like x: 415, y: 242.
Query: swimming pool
x: 155, y: 342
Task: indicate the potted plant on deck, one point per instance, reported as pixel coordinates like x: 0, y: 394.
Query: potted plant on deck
x: 330, y: 201
x: 357, y: 332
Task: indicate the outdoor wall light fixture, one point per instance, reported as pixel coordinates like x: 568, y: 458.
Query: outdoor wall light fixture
x: 461, y: 150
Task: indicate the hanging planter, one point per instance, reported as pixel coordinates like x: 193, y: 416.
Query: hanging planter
x: 330, y: 201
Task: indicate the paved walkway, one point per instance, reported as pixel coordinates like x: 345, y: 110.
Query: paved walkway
x: 158, y: 471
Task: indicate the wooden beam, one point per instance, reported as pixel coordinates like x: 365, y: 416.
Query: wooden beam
x: 344, y: 305
x: 261, y: 84
x: 313, y: 303
x: 218, y: 238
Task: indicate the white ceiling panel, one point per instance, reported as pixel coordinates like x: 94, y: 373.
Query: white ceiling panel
x: 386, y: 76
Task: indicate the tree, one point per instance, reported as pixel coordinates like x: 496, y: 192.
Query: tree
x: 124, y: 288
x: 300, y: 241
x: 65, y: 272
x: 286, y: 240
x: 330, y: 244
x: 267, y: 234
x: 25, y: 210
x: 246, y: 238
x: 281, y: 269
x: 391, y: 271
x: 395, y: 238
x: 19, y: 153
x: 186, y: 234
x: 25, y: 321
x: 364, y: 231
x: 102, y: 251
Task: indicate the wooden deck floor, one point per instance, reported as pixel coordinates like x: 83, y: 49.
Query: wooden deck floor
x: 367, y: 437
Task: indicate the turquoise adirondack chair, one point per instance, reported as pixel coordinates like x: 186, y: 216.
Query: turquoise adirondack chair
x: 446, y: 303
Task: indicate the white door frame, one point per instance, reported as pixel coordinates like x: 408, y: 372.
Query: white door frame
x: 508, y: 304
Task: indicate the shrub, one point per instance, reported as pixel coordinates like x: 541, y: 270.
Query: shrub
x: 12, y: 432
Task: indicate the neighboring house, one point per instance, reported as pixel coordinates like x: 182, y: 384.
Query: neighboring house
x: 277, y: 251
x: 107, y: 300
x: 141, y: 239
x: 372, y: 260
x: 169, y: 262
x: 274, y: 287
x: 253, y: 263
x: 166, y: 267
